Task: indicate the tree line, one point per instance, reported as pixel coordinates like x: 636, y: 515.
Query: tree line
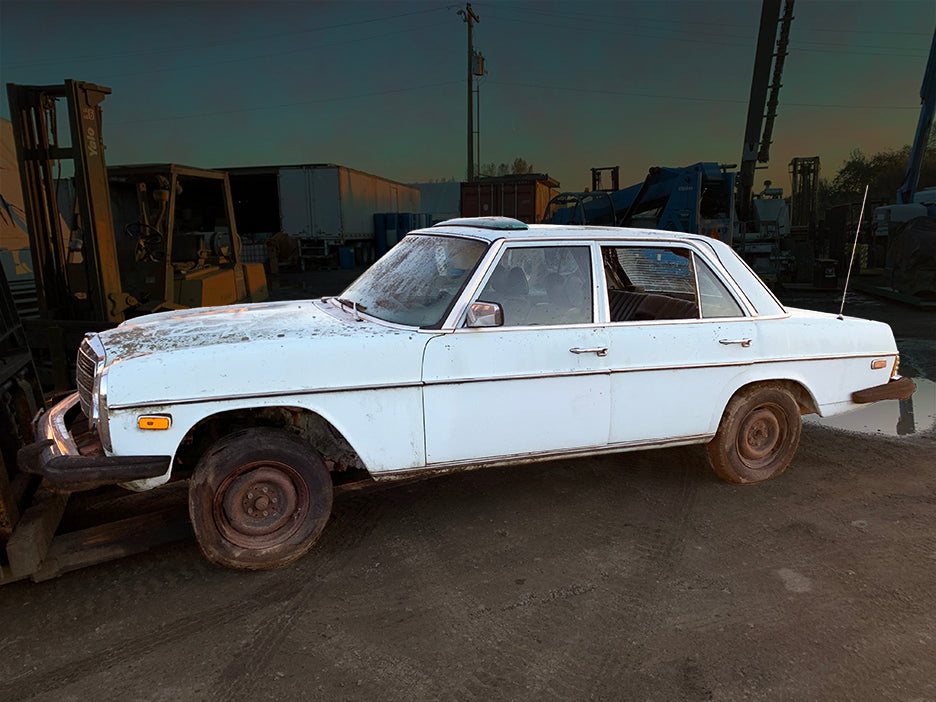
x: 883, y: 172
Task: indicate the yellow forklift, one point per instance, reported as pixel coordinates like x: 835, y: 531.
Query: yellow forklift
x: 132, y: 240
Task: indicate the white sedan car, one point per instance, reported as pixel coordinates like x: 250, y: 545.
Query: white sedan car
x: 477, y: 342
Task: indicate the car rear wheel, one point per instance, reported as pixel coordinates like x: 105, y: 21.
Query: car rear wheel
x: 259, y: 499
x: 757, y: 436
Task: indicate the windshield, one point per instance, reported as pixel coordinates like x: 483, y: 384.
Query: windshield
x: 417, y: 281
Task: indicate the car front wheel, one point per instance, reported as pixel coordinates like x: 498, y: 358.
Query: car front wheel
x: 259, y: 499
x: 757, y: 436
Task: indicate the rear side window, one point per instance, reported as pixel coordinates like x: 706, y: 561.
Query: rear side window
x: 649, y: 282
x: 658, y: 282
x: 658, y: 270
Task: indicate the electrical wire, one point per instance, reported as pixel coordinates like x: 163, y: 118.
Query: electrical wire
x: 689, y: 98
x: 166, y: 118
x: 164, y: 50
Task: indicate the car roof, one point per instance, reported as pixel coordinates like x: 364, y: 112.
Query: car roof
x: 492, y: 229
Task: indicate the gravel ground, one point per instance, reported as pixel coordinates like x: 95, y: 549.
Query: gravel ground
x: 639, y: 576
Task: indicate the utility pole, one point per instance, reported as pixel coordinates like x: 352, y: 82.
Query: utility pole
x: 469, y: 17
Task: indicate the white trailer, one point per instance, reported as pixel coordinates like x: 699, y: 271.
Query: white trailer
x: 328, y: 204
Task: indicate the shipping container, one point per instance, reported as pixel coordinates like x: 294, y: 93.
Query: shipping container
x: 522, y: 197
x: 331, y: 204
x: 441, y: 201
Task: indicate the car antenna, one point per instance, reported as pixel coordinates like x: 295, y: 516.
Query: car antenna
x: 852, y: 259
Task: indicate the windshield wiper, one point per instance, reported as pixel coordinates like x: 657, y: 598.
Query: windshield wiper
x: 350, y: 304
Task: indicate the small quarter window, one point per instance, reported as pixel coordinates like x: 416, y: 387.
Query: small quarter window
x: 715, y: 299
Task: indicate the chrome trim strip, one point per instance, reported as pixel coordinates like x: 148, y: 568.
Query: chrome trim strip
x: 752, y: 362
x: 489, y: 379
x: 826, y: 357
x: 528, y: 327
x: 260, y: 395
x: 613, y: 325
x: 94, y: 341
x: 641, y: 369
x: 52, y: 426
x: 451, y: 466
x: 527, y: 376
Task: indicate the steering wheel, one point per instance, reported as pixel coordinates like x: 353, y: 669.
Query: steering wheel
x: 149, y: 238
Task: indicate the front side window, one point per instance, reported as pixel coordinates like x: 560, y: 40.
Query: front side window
x: 418, y: 280
x: 542, y: 285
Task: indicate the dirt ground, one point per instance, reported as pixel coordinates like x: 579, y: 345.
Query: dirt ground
x: 639, y: 576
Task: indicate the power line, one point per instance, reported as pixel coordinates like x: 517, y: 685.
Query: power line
x: 689, y: 98
x: 162, y: 51
x: 255, y: 57
x: 706, y: 39
x: 736, y: 41
x: 626, y: 19
x: 861, y: 53
x: 193, y: 115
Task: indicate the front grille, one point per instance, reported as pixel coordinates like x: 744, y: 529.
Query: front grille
x: 87, y: 362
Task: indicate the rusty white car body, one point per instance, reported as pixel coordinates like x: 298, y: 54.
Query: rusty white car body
x: 472, y: 343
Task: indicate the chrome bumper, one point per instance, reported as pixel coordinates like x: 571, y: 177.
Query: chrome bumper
x: 56, y: 457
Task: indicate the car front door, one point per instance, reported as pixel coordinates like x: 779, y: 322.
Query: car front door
x: 538, y: 383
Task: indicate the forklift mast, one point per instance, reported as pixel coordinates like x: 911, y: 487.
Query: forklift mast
x: 76, y: 268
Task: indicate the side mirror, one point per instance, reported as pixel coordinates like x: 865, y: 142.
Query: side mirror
x: 485, y: 314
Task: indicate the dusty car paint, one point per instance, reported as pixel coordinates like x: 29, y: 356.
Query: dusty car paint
x: 406, y: 399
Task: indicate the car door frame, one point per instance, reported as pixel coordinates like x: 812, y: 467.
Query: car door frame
x: 459, y: 374
x: 649, y: 365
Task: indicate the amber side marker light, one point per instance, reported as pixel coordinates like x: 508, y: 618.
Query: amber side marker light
x: 878, y: 364
x: 155, y: 421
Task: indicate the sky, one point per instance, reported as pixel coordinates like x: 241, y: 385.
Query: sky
x: 381, y: 86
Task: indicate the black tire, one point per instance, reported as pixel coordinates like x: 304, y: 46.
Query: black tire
x: 757, y: 436
x: 259, y: 499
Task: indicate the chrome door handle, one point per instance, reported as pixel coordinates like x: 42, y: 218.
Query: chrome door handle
x: 727, y: 342
x: 600, y: 350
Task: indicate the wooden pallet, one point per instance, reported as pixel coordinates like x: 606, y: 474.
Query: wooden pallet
x: 99, y: 527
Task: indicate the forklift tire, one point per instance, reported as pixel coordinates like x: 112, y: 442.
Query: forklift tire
x: 259, y: 499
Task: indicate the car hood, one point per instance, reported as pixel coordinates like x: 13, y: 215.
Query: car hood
x: 232, y: 324
x: 265, y: 348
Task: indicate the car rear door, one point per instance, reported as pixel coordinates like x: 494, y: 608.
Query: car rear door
x: 677, y: 336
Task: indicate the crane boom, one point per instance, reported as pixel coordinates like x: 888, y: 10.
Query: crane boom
x: 928, y: 101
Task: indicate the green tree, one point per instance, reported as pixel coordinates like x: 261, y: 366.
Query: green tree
x: 883, y: 173
x: 516, y: 167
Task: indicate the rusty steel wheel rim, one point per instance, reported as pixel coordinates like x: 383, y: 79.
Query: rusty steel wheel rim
x: 261, y: 505
x: 760, y: 436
